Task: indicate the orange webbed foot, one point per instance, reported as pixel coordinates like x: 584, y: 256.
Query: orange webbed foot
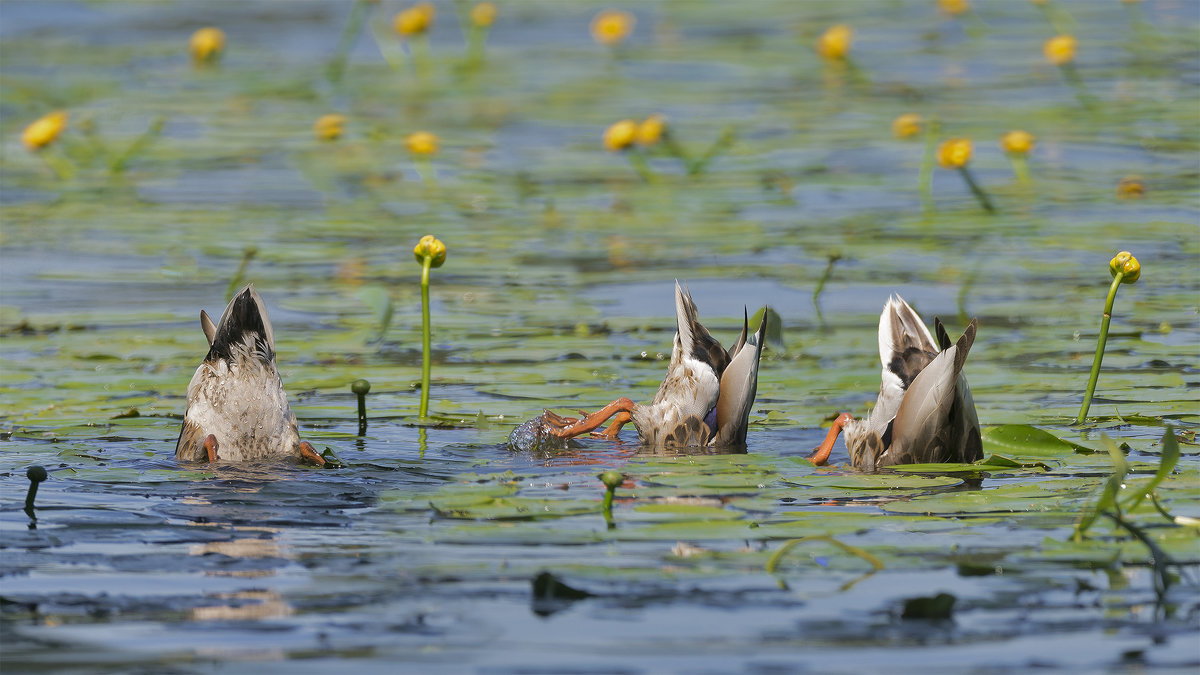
x: 309, y: 454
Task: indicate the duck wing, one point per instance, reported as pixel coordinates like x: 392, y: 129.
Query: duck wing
x: 932, y: 423
x: 739, y: 384
x: 245, y: 321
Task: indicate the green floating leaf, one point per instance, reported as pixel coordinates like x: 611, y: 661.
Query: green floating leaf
x: 774, y: 333
x: 935, y: 608
x: 1166, y: 464
x: 1108, y: 497
x: 1023, y: 440
x: 884, y: 481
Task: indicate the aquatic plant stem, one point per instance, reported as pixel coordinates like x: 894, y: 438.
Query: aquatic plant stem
x: 612, y: 480
x: 236, y: 280
x: 816, y: 296
x: 1099, y: 357
x: 117, y: 165
x: 928, y: 159
x: 360, y: 389
x: 36, y: 474
x: 426, y: 338
x: 976, y: 190
x: 638, y: 161
x: 1020, y: 167
x: 1081, y: 91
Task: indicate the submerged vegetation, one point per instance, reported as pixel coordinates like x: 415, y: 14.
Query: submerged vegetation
x: 783, y: 154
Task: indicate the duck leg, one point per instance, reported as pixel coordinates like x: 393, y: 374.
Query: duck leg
x: 210, y: 447
x: 570, y: 427
x: 820, y: 455
x: 308, y: 453
x: 619, y: 420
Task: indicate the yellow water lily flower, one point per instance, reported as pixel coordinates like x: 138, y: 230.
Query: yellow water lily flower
x: 1060, y: 49
x: 415, y: 20
x: 1131, y: 187
x: 1017, y: 142
x: 483, y: 14
x: 431, y: 247
x: 44, y: 130
x: 834, y: 43
x: 1125, y: 263
x: 954, y: 7
x: 329, y: 127
x: 651, y: 129
x: 207, y: 44
x: 422, y: 143
x: 954, y: 153
x: 620, y: 135
x: 907, y: 125
x: 612, y: 26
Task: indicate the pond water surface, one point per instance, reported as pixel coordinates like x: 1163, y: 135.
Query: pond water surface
x: 421, y: 554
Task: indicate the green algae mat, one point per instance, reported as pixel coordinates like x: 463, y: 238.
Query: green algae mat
x: 791, y: 173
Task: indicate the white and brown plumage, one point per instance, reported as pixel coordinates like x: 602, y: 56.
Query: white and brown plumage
x: 704, y: 400
x: 925, y: 412
x: 237, y: 409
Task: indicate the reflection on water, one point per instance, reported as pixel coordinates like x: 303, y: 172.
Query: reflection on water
x: 419, y: 554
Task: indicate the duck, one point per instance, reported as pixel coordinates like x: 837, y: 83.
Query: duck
x: 704, y: 400
x: 237, y: 409
x: 925, y: 412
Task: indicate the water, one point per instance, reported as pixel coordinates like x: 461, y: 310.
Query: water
x: 420, y: 554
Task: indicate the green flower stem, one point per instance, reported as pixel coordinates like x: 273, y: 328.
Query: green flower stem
x: 816, y: 296
x: 1071, y: 73
x: 925, y: 178
x: 607, y: 507
x: 1020, y: 165
x: 976, y: 190
x: 235, y: 282
x: 337, y: 65
x: 1099, y: 357
x: 719, y: 146
x: 638, y: 161
x: 61, y: 167
x: 117, y: 165
x: 422, y: 58
x: 388, y: 49
x: 360, y: 389
x: 424, y: 166
x: 426, y: 338
x: 476, y: 42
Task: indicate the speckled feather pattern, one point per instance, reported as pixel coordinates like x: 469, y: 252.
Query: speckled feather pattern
x: 924, y: 412
x: 239, y: 398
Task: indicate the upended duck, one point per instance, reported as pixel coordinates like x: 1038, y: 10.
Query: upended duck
x: 236, y: 407
x: 704, y: 400
x: 924, y: 412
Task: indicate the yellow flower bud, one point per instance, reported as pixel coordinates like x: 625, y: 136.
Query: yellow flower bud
x: 483, y: 14
x: 953, y: 7
x: 954, y: 153
x: 1060, y: 49
x: 1017, y: 142
x: 329, y: 127
x: 422, y: 143
x: 620, y: 135
x: 907, y: 125
x: 207, y: 44
x: 1125, y: 263
x: 611, y: 27
x: 651, y: 129
x: 42, y: 131
x: 430, y: 247
x: 834, y: 44
x: 1131, y: 187
x: 415, y: 20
